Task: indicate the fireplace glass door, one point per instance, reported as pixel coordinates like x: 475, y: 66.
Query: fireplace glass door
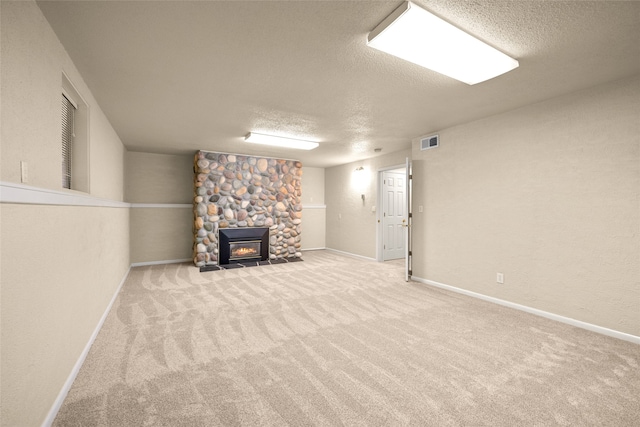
x: 245, y: 250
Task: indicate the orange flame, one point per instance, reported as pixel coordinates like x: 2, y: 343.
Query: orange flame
x: 244, y: 251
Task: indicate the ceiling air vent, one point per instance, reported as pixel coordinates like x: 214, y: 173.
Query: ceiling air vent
x: 429, y: 142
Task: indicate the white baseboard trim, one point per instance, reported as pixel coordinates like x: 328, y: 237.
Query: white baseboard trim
x: 351, y: 255
x: 167, y: 261
x: 569, y: 321
x: 313, y: 249
x: 57, y: 404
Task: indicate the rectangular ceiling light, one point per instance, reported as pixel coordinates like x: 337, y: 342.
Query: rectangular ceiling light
x: 415, y: 35
x: 280, y: 141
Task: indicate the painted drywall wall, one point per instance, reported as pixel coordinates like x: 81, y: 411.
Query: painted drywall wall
x: 351, y: 223
x: 61, y: 265
x: 56, y: 284
x: 159, y: 186
x: 313, y: 227
x: 160, y: 234
x: 548, y: 195
x: 106, y: 156
x: 313, y: 208
x: 313, y: 186
x: 159, y: 178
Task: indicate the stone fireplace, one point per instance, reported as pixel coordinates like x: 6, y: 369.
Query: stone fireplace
x: 236, y: 192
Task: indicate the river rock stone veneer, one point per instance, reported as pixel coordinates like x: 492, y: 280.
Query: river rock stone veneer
x: 246, y: 191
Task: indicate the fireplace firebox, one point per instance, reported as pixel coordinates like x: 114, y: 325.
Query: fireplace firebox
x: 238, y: 245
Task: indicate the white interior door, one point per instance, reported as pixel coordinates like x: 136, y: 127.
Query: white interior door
x: 394, y: 216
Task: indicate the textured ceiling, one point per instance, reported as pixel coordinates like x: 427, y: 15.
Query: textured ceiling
x: 176, y: 76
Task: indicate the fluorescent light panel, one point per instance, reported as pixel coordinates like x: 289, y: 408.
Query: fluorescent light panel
x: 280, y: 141
x: 418, y: 36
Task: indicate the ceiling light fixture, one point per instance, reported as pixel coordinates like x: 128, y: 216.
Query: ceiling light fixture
x: 280, y: 141
x: 415, y: 35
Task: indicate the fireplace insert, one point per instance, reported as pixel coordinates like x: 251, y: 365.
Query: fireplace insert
x: 237, y: 245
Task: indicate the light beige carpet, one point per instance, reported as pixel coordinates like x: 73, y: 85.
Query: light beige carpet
x: 340, y: 341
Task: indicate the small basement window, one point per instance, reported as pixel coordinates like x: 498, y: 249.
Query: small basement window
x: 75, y: 139
x: 68, y: 112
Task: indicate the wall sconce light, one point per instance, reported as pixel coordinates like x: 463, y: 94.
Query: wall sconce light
x: 360, y: 180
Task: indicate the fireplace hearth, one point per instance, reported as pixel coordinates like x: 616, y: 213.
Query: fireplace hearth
x: 237, y: 245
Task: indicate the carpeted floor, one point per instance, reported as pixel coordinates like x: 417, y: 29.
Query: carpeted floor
x: 340, y: 341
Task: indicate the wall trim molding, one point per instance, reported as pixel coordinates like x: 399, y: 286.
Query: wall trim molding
x: 168, y: 261
x: 313, y: 249
x: 162, y: 205
x: 569, y: 321
x: 57, y: 404
x: 11, y: 192
x: 313, y: 206
x: 351, y: 255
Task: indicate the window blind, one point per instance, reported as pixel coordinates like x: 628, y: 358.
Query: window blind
x: 68, y: 111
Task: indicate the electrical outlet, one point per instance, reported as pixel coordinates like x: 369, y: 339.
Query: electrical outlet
x: 24, y: 172
x: 500, y: 278
x: 339, y: 216
x: 420, y: 208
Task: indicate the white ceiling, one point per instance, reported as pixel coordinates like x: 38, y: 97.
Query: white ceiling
x: 176, y: 76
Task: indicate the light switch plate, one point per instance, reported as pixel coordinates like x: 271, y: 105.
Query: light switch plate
x: 24, y: 172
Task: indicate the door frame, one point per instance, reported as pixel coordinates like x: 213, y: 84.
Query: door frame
x: 408, y: 252
x: 380, y: 206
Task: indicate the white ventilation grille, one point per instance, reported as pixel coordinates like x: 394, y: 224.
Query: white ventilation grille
x: 432, y: 141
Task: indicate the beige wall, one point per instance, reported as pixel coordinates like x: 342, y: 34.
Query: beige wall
x: 61, y: 265
x: 314, y: 209
x: 548, y: 195
x: 159, y: 178
x: 312, y: 185
x: 351, y: 224
x: 160, y: 233
x: 106, y: 155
